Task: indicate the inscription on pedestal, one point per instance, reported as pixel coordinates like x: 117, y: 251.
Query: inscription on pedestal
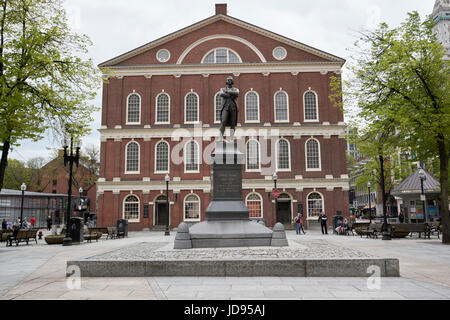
x: 227, y: 182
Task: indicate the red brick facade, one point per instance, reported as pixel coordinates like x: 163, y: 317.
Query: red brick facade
x: 304, y: 69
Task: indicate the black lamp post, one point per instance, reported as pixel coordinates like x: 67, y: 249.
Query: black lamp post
x: 167, y: 179
x: 23, y: 187
x: 70, y: 158
x: 386, y: 234
x: 423, y: 177
x: 370, y: 203
x: 275, y: 178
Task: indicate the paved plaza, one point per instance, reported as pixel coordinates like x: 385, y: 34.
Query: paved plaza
x: 38, y: 272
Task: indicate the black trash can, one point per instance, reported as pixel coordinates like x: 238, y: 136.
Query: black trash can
x: 336, y: 220
x: 76, y: 225
x: 122, y: 228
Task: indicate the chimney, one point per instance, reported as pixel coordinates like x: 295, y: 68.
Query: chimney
x: 221, y: 8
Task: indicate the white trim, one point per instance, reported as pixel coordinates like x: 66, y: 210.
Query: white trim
x: 307, y: 205
x: 215, y: 57
x: 139, y: 208
x: 168, y: 157
x: 221, y: 36
x: 306, y: 156
x: 262, y: 203
x: 198, y: 108
x: 157, y: 53
x: 275, y: 107
x: 317, y: 106
x: 185, y: 155
x: 276, y: 155
x: 199, y: 208
x: 246, y: 156
x: 285, y: 53
x: 140, y: 109
x: 259, y: 108
x: 139, y: 158
x: 156, y: 107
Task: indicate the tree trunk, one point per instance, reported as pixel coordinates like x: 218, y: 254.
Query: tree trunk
x: 445, y: 218
x: 4, y: 161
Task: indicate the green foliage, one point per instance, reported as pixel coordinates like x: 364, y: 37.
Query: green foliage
x: 45, y: 83
x: 16, y: 174
x: 401, y: 87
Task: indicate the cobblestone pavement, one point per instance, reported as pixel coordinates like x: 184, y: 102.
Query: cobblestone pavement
x: 38, y: 272
x: 298, y: 249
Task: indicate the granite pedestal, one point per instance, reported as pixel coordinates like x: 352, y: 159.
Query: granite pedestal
x: 227, y: 218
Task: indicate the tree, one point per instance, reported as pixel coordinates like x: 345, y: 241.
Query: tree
x: 16, y: 174
x: 400, y: 77
x: 44, y: 83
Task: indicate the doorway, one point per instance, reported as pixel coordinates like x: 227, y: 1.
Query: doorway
x: 161, y: 216
x: 284, y: 214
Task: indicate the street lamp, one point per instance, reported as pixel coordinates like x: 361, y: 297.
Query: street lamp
x: 275, y: 178
x: 167, y: 179
x: 23, y: 187
x: 370, y: 203
x: 70, y: 158
x: 423, y: 178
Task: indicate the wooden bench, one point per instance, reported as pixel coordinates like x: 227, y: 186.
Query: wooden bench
x: 411, y: 228
x: 22, y: 236
x: 92, y: 233
x: 349, y: 229
x: 435, y: 227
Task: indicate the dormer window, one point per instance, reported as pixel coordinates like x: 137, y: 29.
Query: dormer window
x: 221, y: 55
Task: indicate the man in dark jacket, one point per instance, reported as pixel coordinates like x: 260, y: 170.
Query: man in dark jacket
x: 323, y: 222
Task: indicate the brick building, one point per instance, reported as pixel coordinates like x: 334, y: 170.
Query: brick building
x: 160, y: 115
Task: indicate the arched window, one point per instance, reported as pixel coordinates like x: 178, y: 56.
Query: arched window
x: 283, y: 156
x: 253, y: 163
x: 221, y: 55
x: 191, y: 108
x: 163, y: 108
x: 162, y: 157
x: 254, y: 205
x: 192, y: 208
x: 281, y: 107
x: 313, y: 162
x: 134, y: 109
x: 132, y: 158
x: 217, y: 107
x: 131, y: 208
x: 311, y: 108
x: 191, y: 157
x: 315, y: 205
x: 251, y: 107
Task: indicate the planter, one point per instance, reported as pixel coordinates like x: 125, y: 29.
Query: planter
x: 58, y: 239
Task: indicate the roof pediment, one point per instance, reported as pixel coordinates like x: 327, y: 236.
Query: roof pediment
x: 220, y: 20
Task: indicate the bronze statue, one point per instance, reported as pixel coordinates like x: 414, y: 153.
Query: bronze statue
x: 229, y: 111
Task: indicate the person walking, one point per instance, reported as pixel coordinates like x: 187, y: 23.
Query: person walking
x: 401, y: 217
x: 323, y: 222
x: 297, y: 221
x: 49, y: 223
x: 33, y: 221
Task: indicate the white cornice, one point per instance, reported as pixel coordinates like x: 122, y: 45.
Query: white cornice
x: 208, y: 133
x: 247, y: 184
x: 201, y: 69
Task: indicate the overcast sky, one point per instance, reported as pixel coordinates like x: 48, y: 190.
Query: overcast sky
x: 117, y: 26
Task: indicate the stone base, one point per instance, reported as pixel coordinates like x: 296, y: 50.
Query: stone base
x: 230, y: 233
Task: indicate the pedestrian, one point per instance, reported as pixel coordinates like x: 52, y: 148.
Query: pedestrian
x: 323, y: 222
x: 9, y: 225
x: 25, y: 224
x: 49, y: 223
x: 297, y: 221
x: 33, y: 221
x: 4, y: 224
x: 301, y: 224
x: 401, y: 217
